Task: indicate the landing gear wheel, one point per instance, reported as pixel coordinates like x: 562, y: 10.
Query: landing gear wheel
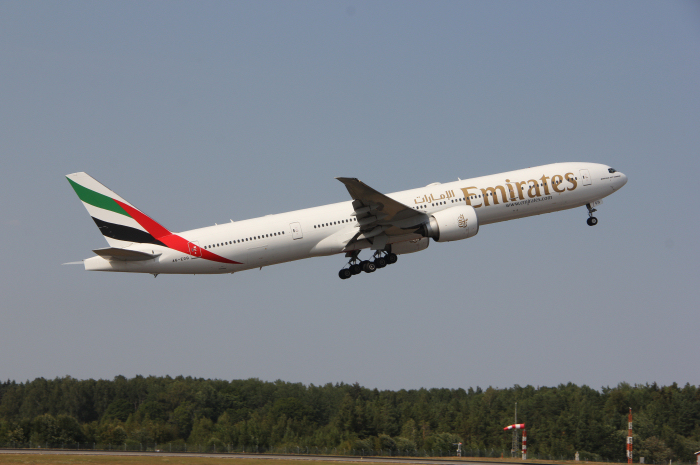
x: 344, y: 273
x: 592, y: 220
x: 355, y: 269
x: 380, y: 262
x: 368, y: 267
x: 391, y: 258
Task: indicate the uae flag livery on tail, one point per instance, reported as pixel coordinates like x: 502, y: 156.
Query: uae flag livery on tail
x: 122, y: 224
x: 111, y: 213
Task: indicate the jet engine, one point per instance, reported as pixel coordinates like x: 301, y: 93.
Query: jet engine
x: 452, y: 224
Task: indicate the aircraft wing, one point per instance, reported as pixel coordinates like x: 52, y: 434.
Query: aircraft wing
x: 115, y: 253
x: 379, y: 215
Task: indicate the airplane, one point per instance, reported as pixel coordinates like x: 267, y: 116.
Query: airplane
x: 387, y: 225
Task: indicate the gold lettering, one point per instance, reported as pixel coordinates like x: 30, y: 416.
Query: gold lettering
x: 534, y: 187
x: 510, y: 190
x: 519, y: 185
x: 494, y: 196
x: 544, y: 184
x: 556, y: 179
x: 467, y: 195
x: 570, y: 177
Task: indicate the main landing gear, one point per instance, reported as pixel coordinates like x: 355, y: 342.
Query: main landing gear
x: 380, y: 259
x: 592, y: 220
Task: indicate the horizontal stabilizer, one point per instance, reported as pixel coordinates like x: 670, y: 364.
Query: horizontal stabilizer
x: 74, y: 263
x: 115, y: 253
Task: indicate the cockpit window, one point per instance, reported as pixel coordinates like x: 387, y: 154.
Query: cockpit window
x: 612, y: 170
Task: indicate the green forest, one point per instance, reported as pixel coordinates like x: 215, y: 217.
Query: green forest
x: 254, y: 415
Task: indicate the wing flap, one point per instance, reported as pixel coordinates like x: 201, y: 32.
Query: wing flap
x: 115, y: 253
x: 378, y: 214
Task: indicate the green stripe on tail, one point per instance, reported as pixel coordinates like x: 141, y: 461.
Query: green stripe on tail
x: 96, y: 199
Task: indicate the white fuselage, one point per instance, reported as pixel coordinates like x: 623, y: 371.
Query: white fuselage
x: 325, y: 230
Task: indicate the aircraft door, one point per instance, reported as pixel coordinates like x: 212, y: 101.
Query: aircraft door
x: 585, y: 177
x: 296, y: 231
x: 195, y: 250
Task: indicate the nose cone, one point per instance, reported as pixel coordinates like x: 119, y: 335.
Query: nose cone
x: 621, y: 181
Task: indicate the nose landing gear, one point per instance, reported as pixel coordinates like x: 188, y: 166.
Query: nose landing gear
x: 380, y: 259
x: 592, y: 220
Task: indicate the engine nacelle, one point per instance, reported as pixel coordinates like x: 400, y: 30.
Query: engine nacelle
x: 452, y: 224
x: 416, y: 245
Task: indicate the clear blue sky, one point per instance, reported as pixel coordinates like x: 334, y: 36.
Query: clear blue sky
x: 201, y: 112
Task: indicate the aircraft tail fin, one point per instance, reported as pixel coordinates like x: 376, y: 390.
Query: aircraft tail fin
x: 119, y: 222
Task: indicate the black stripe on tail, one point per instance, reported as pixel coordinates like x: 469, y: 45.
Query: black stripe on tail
x: 125, y: 233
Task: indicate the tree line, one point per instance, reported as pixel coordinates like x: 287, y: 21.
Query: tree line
x: 259, y: 415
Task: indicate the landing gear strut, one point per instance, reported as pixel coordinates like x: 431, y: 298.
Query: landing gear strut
x: 380, y: 259
x: 592, y: 220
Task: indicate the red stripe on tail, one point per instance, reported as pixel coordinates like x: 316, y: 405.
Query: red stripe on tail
x: 171, y: 240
